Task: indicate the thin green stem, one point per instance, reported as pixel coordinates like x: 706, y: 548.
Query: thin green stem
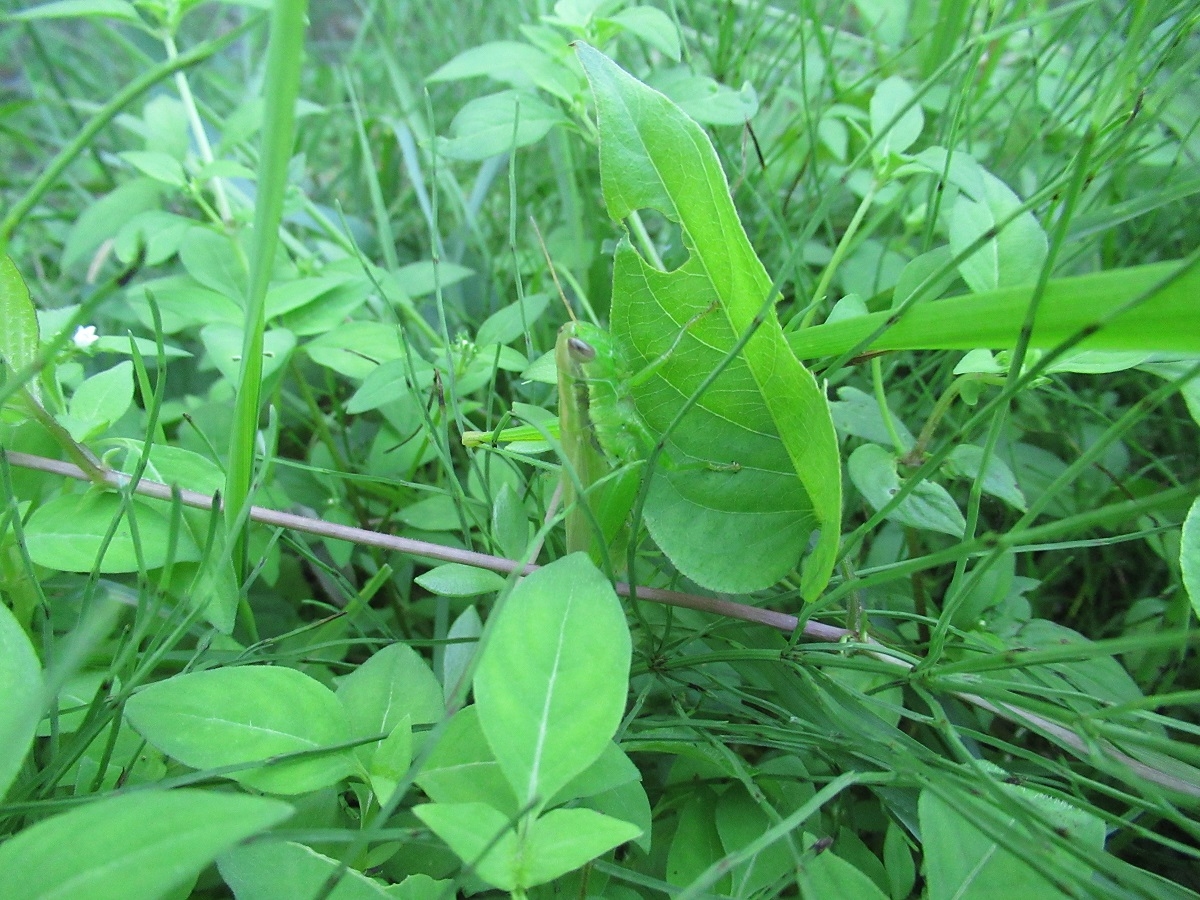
x: 106, y: 114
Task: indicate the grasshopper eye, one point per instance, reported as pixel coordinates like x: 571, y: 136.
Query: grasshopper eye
x: 581, y: 350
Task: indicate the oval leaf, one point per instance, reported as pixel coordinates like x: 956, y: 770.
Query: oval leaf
x: 928, y: 506
x: 67, y: 534
x: 224, y: 717
x: 1189, y: 555
x: 552, y: 679
x: 285, y: 871
x: 135, y: 847
x: 22, y: 687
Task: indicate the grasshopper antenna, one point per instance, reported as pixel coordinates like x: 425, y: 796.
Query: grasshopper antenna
x: 553, y: 273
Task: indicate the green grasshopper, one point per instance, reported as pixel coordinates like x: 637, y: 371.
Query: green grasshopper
x: 603, y: 438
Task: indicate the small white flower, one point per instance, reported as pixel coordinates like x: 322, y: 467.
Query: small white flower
x: 85, y: 336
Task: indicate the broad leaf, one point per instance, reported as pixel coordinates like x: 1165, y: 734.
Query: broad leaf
x: 391, y: 688
x: 551, y: 845
x: 889, y: 98
x: 248, y: 714
x: 498, y: 123
x: 551, y: 684
x: 964, y: 860
x: 67, y: 533
x: 753, y: 467
x: 928, y: 506
x: 135, y: 847
x: 1016, y: 245
x: 22, y: 688
x: 461, y: 768
x: 285, y: 871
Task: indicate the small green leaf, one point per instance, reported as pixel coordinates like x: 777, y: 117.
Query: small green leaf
x: 182, y: 304
x: 22, y: 688
x: 1013, y: 256
x: 247, y: 714
x: 458, y: 580
x: 66, y: 533
x: 856, y: 412
x: 564, y: 839
x: 889, y: 97
x: 389, y: 382
x: 611, y: 770
x: 394, y: 684
x: 99, y: 401
x: 1189, y: 555
x: 424, y: 277
x: 148, y: 348
x: 437, y: 513
x: 174, y: 465
x: 391, y: 759
x: 515, y: 63
x: 740, y: 820
x: 292, y: 295
x: 421, y: 887
x: 495, y: 124
x: 696, y: 844
x: 19, y: 336
x: 828, y: 875
x: 653, y: 26
x: 162, y: 167
x: 355, y: 349
x: 551, y: 683
x: 223, y: 341
x: 705, y: 100
x: 966, y: 461
x: 932, y: 269
x: 215, y: 261
x: 462, y: 641
x: 134, y: 847
x: 898, y: 862
x: 480, y: 836
x: 510, y: 523
x: 928, y: 506
x: 461, y: 768
x: 104, y: 218
x: 282, y: 870
x: 507, y: 324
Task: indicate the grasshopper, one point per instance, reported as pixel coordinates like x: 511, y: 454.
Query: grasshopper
x: 604, y: 440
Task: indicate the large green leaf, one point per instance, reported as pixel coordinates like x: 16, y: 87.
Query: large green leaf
x: 67, y: 533
x: 282, y: 870
x: 134, y: 847
x: 551, y: 683
x: 753, y: 467
x: 962, y: 860
x: 247, y: 714
x: 22, y: 687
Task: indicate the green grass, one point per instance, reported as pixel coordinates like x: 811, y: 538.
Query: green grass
x: 340, y: 686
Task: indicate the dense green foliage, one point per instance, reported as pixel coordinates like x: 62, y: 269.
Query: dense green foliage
x: 902, y: 358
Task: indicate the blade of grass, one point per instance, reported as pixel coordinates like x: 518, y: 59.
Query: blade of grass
x: 285, y: 52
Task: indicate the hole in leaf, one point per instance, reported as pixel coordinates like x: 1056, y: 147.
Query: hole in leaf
x: 665, y: 235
